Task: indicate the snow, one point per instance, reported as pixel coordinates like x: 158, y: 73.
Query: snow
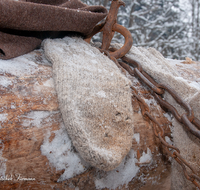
x: 146, y: 157
x: 60, y: 151
x: 168, y: 140
x: 5, y: 82
x: 94, y: 61
x: 168, y: 116
x: 136, y: 136
x: 187, y: 8
x: 61, y: 155
x: 12, y: 106
x: 151, y: 102
x: 195, y: 85
x: 49, y: 83
x: 35, y: 118
x: 21, y: 66
x: 3, y: 118
x: 18, y: 66
x: 123, y: 174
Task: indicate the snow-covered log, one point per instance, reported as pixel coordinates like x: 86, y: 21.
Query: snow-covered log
x: 36, y: 151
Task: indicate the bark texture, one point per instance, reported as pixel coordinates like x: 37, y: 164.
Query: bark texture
x: 34, y: 142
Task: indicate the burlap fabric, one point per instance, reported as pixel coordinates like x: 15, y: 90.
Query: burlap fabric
x: 24, y: 24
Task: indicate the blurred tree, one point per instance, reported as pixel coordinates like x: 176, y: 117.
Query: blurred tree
x: 195, y: 29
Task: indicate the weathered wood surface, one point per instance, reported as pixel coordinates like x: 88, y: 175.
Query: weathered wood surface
x: 33, y: 137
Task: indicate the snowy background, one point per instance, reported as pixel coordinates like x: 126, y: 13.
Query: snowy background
x: 171, y: 26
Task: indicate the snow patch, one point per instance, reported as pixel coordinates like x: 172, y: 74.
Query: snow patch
x: 168, y: 116
x: 49, y: 83
x: 18, y: 66
x: 123, y: 174
x: 12, y: 106
x: 61, y: 155
x: 5, y: 82
x: 136, y: 136
x: 146, y: 157
x: 151, y: 102
x: 168, y: 140
x: 94, y: 61
x: 35, y: 118
x: 3, y: 117
x: 195, y: 85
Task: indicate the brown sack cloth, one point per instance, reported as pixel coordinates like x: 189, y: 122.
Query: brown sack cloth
x: 24, y: 24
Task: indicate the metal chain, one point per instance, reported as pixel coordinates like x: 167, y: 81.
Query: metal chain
x: 185, y: 118
x: 188, y: 119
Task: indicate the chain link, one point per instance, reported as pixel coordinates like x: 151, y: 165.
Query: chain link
x: 187, y: 118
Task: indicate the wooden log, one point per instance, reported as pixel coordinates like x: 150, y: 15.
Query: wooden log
x: 36, y: 152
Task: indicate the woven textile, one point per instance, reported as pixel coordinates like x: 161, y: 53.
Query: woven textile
x: 24, y: 24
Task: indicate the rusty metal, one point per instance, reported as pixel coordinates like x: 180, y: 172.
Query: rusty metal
x: 142, y: 103
x: 174, y: 152
x: 134, y: 68
x: 126, y: 67
x: 111, y: 26
x: 107, y: 53
x: 195, y: 176
x: 138, y: 73
x: 148, y: 83
x: 111, y: 20
x: 179, y: 100
x: 190, y: 127
x: 131, y: 62
x: 186, y: 119
x: 159, y: 132
x: 168, y: 106
x: 196, y: 122
x: 127, y: 44
x: 98, y: 28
